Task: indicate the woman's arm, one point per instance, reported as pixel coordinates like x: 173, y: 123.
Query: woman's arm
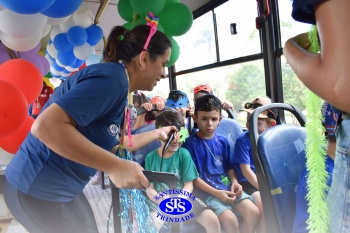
x: 328, y: 73
x: 56, y: 129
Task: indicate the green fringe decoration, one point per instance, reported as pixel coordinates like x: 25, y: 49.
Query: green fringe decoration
x: 316, y: 156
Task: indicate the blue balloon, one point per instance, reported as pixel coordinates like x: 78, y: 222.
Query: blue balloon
x: 61, y: 43
x: 95, y: 34
x: 62, y: 8
x: 27, y: 6
x: 77, y: 36
x: 77, y: 63
x: 56, y: 66
x: 67, y: 58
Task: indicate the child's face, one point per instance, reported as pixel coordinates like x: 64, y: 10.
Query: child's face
x: 174, y: 146
x: 207, y: 122
x: 263, y: 124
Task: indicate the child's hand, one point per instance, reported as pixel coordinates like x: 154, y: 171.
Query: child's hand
x: 191, y: 111
x: 159, y: 105
x: 147, y: 106
x: 236, y: 189
x: 226, y: 196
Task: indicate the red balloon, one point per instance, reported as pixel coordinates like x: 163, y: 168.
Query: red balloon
x: 24, y: 75
x: 13, y: 108
x: 12, y: 142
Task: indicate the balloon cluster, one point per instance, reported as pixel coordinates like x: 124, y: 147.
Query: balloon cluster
x: 175, y: 18
x: 18, y: 87
x: 72, y: 42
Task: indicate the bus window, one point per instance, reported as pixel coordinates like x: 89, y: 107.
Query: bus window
x: 237, y: 83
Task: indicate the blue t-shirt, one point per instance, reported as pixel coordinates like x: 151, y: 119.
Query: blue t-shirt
x: 303, y: 10
x: 212, y: 163
x: 95, y: 98
x: 242, y: 155
x: 301, y: 214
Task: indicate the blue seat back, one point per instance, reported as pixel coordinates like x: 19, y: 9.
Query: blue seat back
x: 139, y: 155
x: 229, y: 128
x: 282, y: 153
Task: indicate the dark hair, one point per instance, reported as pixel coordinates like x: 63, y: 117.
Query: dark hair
x: 140, y: 98
x: 150, y: 116
x: 169, y: 117
x: 123, y: 44
x: 207, y: 103
x: 175, y: 95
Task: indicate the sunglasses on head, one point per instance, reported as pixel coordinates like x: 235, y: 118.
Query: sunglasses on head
x: 252, y: 105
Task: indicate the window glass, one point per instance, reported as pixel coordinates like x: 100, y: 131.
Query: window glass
x: 197, y: 46
x: 246, y: 41
x: 237, y: 84
x: 162, y: 89
x: 293, y: 90
x: 289, y: 27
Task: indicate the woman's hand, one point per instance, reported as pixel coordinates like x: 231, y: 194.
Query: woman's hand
x: 128, y: 174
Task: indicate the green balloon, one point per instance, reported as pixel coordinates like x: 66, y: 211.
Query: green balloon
x: 128, y: 25
x: 176, y: 19
x: 142, y: 21
x: 142, y: 7
x: 175, y: 52
x: 48, y: 75
x: 125, y: 10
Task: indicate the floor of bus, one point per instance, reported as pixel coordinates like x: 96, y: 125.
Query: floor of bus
x: 100, y: 201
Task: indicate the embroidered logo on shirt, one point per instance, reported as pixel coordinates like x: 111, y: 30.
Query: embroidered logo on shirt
x: 113, y: 129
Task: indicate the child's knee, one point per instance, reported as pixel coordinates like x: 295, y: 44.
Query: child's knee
x: 228, y: 217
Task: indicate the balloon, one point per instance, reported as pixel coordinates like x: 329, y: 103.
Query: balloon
x: 77, y: 36
x: 142, y: 7
x: 83, y: 17
x: 128, y: 25
x: 12, y: 142
x: 48, y: 83
x: 84, y: 51
x: 125, y: 10
x: 56, y: 21
x: 77, y: 63
x: 45, y: 63
x: 24, y: 75
x: 35, y: 62
x: 66, y: 58
x: 20, y: 44
x: 94, y: 34
x: 27, y: 7
x: 62, y: 8
x: 175, y: 52
x: 4, y: 56
x: 93, y: 59
x: 20, y: 26
x: 52, y: 51
x: 57, y: 65
x: 13, y: 108
x: 176, y: 19
x: 67, y: 24
x: 45, y: 30
x: 61, y: 43
x: 31, y: 52
x: 55, y: 30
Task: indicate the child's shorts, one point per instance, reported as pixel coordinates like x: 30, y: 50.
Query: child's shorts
x: 218, y: 206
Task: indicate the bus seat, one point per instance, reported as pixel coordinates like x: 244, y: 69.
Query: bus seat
x: 139, y: 155
x: 279, y: 158
x: 229, y: 128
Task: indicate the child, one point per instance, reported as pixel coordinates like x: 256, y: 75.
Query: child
x: 243, y: 160
x: 177, y: 160
x: 178, y: 100
x: 217, y: 184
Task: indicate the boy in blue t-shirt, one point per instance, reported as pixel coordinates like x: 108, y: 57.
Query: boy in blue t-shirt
x: 218, y: 185
x: 178, y: 160
x: 243, y: 158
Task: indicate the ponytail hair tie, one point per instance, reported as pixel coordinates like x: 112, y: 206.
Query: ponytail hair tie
x: 152, y: 21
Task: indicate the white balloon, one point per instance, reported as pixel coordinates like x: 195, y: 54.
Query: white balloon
x: 21, y: 25
x: 55, y: 72
x: 71, y: 69
x: 55, y: 21
x: 65, y: 26
x: 55, y: 30
x: 52, y: 51
x: 63, y: 74
x: 46, y: 30
x: 83, y: 17
x: 84, y: 51
x: 20, y: 44
x: 49, y: 59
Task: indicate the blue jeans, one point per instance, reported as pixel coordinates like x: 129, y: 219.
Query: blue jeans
x: 338, y: 199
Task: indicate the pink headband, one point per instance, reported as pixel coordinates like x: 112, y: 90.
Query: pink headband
x: 152, y: 21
